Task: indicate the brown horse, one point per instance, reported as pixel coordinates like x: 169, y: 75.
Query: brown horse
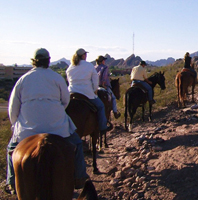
x: 44, y: 169
x: 106, y: 99
x: 137, y: 97
x: 183, y: 81
x: 84, y: 116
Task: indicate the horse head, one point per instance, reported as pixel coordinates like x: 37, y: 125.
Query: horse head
x: 116, y: 88
x: 161, y: 80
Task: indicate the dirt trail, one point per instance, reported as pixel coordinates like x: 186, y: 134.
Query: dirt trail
x: 159, y: 160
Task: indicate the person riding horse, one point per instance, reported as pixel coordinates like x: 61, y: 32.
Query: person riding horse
x: 139, y: 75
x: 37, y: 105
x: 104, y: 81
x: 83, y: 79
x: 188, y: 64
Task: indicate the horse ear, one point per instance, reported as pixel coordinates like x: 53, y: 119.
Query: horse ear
x: 160, y: 72
x: 163, y: 73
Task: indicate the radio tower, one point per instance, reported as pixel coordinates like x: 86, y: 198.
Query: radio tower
x: 133, y: 42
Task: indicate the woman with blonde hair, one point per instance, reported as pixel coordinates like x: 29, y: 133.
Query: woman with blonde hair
x: 188, y: 63
x: 83, y: 78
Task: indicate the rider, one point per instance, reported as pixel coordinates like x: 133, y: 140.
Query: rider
x: 104, y: 81
x: 139, y: 75
x: 83, y: 79
x: 188, y: 63
x: 37, y: 105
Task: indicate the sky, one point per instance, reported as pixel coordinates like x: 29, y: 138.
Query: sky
x: 151, y: 29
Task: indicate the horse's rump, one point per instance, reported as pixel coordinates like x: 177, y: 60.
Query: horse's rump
x: 44, y: 168
x: 83, y: 114
x: 188, y: 71
x: 81, y: 97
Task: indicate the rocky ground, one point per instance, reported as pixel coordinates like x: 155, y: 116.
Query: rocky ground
x: 158, y: 160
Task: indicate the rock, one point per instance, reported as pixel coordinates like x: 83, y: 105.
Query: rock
x: 157, y: 148
x: 114, y: 182
x: 112, y: 171
x: 119, y: 174
x: 150, y: 168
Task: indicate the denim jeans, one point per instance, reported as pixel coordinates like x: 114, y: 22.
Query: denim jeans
x: 114, y: 104
x: 80, y: 165
x: 102, y: 120
x: 146, y: 86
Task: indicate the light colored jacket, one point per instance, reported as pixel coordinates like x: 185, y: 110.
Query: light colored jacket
x: 83, y: 79
x: 37, y: 105
x: 138, y: 73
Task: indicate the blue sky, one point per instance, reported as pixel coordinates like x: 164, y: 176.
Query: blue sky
x: 161, y: 28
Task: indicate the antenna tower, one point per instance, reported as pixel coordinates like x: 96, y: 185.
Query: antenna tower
x: 133, y: 42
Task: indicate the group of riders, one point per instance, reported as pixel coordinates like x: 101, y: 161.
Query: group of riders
x: 39, y: 98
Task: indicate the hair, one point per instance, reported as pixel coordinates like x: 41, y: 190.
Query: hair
x: 44, y: 63
x: 98, y: 62
x: 186, y: 55
x: 76, y: 59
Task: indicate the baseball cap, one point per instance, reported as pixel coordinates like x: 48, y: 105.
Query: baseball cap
x: 143, y: 63
x: 100, y: 58
x: 81, y: 51
x: 41, y: 54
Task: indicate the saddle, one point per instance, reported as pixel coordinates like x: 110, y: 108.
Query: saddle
x: 81, y: 97
x: 140, y: 86
x: 189, y: 71
x: 104, y: 90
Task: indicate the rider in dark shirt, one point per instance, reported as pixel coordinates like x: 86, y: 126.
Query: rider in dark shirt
x: 188, y: 64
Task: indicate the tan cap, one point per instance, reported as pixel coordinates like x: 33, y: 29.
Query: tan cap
x: 81, y: 51
x: 41, y: 54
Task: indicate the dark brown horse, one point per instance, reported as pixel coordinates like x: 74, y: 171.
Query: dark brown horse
x: 84, y: 116
x: 137, y: 97
x: 44, y: 169
x: 183, y: 81
x: 106, y: 99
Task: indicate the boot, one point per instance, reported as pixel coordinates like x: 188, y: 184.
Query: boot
x: 117, y: 114
x: 151, y: 102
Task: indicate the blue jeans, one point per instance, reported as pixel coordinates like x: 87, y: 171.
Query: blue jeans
x: 114, y: 104
x: 146, y: 86
x: 80, y: 165
x: 102, y: 120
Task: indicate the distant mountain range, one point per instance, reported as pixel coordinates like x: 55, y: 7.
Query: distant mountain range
x: 131, y: 61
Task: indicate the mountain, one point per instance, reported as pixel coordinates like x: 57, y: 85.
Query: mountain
x: 62, y: 60
x: 161, y: 62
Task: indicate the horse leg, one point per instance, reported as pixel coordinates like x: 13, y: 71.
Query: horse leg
x: 150, y: 112
x: 131, y: 113
x: 95, y: 169
x: 143, y: 113
x: 193, y: 87
x: 105, y: 141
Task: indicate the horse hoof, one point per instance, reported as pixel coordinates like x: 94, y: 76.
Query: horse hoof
x: 96, y: 171
x: 101, y: 151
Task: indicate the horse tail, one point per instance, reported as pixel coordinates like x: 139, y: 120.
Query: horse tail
x: 44, y: 154
x: 126, y: 108
x: 181, y: 87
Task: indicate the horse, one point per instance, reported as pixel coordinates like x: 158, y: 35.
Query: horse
x: 106, y: 99
x: 183, y: 80
x: 44, y: 169
x: 137, y: 97
x: 84, y: 116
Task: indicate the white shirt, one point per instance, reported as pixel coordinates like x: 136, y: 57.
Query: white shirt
x: 37, y: 105
x: 83, y: 79
x: 138, y: 73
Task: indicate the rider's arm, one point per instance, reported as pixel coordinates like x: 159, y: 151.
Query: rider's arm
x: 94, y: 79
x: 14, y: 103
